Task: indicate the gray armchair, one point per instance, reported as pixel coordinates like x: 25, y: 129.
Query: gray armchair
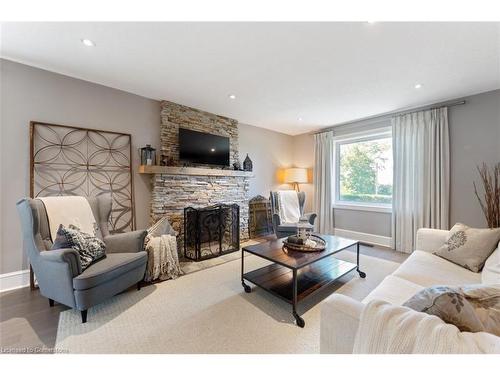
x: 286, y: 229
x: 59, y: 272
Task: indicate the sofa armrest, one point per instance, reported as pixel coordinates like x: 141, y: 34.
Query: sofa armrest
x: 339, y: 323
x: 129, y: 242
x: 429, y: 240
x: 69, y: 256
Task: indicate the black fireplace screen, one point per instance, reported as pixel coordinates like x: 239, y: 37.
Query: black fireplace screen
x: 211, y: 231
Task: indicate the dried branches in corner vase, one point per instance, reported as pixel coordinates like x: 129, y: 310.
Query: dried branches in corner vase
x: 490, y: 204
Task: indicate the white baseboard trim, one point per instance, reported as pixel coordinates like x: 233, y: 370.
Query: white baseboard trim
x: 372, y: 239
x: 14, y: 280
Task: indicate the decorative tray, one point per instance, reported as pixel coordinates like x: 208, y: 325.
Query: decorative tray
x: 320, y: 245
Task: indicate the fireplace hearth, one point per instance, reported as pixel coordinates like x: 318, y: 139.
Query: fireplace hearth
x: 211, y: 231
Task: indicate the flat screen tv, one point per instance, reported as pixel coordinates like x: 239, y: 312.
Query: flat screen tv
x: 203, y: 148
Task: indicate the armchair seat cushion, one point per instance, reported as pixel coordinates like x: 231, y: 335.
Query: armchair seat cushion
x: 292, y: 227
x: 114, y: 265
x: 288, y: 227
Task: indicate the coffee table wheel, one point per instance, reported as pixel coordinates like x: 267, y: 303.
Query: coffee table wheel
x: 246, y: 287
x: 300, y: 322
x: 362, y: 274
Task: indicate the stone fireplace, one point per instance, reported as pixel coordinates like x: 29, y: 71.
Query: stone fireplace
x: 177, y: 186
x: 175, y: 116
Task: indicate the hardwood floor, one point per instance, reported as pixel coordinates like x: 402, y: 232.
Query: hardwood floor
x: 29, y: 324
x: 382, y: 253
x: 27, y: 320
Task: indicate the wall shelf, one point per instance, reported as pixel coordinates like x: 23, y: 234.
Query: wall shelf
x: 192, y: 171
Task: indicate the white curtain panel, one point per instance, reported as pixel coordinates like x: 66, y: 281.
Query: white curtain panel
x: 421, y: 175
x: 324, y: 152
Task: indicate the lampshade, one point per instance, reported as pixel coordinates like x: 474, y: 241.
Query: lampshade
x: 295, y: 175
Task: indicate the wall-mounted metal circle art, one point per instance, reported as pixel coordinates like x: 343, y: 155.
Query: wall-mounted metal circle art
x: 69, y: 160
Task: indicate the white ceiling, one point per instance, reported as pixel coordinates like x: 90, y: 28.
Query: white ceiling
x: 324, y: 73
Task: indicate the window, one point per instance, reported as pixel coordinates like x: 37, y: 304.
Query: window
x: 364, y: 172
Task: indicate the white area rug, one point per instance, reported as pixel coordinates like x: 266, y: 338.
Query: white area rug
x: 207, y: 312
x: 188, y: 266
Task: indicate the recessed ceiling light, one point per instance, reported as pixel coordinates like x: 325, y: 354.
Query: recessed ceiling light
x: 300, y: 118
x: 231, y: 96
x: 88, y: 43
x: 418, y: 85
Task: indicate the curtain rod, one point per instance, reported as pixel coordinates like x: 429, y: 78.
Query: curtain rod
x: 394, y: 113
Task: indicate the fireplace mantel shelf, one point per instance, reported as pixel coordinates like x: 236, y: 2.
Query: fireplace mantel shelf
x: 192, y: 171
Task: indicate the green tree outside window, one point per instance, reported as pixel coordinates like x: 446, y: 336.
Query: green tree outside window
x: 361, y: 166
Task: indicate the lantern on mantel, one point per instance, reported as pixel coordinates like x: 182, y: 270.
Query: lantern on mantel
x: 148, y: 155
x: 247, y: 164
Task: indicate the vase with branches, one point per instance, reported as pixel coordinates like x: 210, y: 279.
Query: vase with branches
x: 490, y: 202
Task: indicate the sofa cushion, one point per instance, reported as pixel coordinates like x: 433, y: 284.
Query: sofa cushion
x: 393, y: 290
x: 426, y: 269
x: 469, y: 247
x: 471, y: 308
x: 491, y: 270
x: 112, y: 266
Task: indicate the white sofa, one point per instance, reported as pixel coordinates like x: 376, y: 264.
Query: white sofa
x: 340, y: 314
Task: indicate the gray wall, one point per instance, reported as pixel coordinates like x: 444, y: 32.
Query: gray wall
x: 474, y: 138
x: 29, y: 93
x: 378, y: 223
x: 303, y: 157
x: 270, y: 151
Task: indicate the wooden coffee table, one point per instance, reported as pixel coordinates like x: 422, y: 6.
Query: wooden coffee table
x: 294, y: 276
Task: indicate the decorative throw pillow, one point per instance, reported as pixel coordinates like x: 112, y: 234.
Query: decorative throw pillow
x: 89, y: 247
x: 473, y: 308
x: 161, y: 227
x: 469, y: 247
x: 158, y: 229
x: 491, y: 270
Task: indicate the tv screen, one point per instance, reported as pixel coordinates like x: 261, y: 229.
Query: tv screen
x: 203, y: 148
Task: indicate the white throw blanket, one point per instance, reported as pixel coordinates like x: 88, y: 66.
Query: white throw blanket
x: 389, y: 329
x: 288, y: 205
x: 68, y: 210
x: 163, y: 261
